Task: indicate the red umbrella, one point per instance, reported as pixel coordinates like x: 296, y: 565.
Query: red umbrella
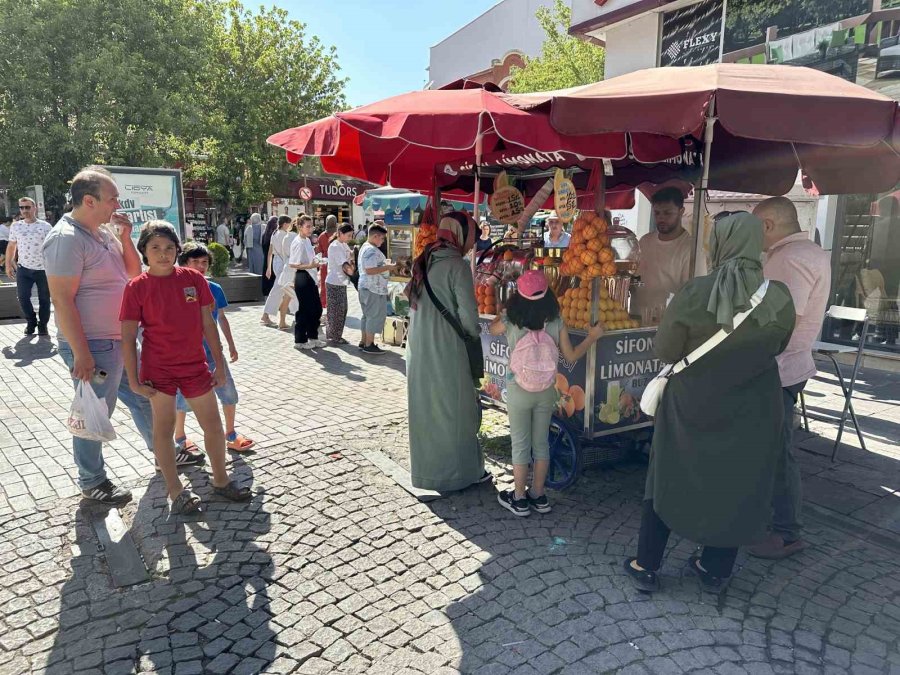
x: 399, y: 140
x: 769, y: 122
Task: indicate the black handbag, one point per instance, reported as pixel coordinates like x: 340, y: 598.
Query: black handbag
x: 472, y: 343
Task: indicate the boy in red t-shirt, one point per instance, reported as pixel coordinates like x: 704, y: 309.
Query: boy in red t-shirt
x: 174, y: 305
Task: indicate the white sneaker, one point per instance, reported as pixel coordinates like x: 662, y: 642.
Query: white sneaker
x: 317, y: 344
x: 303, y: 346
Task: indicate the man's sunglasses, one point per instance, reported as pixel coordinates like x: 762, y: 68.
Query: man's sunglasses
x: 25, y: 208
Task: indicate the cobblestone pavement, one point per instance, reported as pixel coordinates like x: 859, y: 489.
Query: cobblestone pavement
x: 334, y: 568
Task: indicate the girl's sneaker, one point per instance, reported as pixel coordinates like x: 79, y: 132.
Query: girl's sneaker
x: 518, y: 507
x: 540, y: 504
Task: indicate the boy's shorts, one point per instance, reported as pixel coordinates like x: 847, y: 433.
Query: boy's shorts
x: 192, y: 381
x: 227, y: 393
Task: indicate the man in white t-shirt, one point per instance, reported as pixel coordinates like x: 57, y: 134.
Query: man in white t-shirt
x: 25, y: 262
x: 665, y: 264
x: 223, y: 236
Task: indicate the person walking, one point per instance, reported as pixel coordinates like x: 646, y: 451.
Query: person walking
x: 536, y: 337
x: 253, y: 245
x: 322, y: 244
x: 309, y: 308
x: 443, y: 403
x: 270, y: 229
x: 805, y: 268
x: 4, y: 241
x: 279, y: 252
x: 87, y: 267
x: 340, y: 266
x: 374, y: 270
x: 717, y: 438
x: 223, y: 235
x: 25, y: 262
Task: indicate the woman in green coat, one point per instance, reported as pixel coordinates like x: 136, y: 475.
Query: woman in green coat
x: 443, y: 404
x: 716, y: 443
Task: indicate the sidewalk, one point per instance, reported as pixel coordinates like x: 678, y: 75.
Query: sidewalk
x: 334, y: 568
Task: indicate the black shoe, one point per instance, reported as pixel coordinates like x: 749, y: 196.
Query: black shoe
x: 486, y: 477
x: 361, y: 346
x: 373, y: 349
x: 107, y: 493
x: 187, y: 457
x: 540, y: 504
x: 518, y: 507
x: 644, y: 581
x: 709, y: 581
x: 42, y: 330
x: 29, y: 328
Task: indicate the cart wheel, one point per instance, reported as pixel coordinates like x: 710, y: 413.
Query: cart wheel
x: 565, y: 455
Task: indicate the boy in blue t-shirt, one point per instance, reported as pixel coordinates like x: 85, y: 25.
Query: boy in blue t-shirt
x: 198, y: 257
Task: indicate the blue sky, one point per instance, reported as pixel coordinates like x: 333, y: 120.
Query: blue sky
x: 382, y: 44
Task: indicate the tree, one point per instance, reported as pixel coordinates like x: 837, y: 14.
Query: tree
x: 565, y: 61
x: 265, y: 74
x: 83, y: 81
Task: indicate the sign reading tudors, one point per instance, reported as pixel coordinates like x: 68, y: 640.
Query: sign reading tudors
x: 692, y: 36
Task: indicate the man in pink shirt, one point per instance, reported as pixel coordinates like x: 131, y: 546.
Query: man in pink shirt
x: 806, y: 270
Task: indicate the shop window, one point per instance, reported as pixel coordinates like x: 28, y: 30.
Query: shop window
x: 866, y: 268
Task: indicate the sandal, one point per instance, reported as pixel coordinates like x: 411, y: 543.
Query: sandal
x: 267, y: 322
x: 185, y: 503
x: 240, y: 444
x: 233, y: 492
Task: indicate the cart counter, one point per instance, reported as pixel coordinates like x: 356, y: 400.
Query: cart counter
x: 601, y: 393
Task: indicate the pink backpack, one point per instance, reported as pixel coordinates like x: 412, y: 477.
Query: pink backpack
x: 533, y: 361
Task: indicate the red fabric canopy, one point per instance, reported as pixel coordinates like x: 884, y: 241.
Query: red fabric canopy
x: 772, y: 122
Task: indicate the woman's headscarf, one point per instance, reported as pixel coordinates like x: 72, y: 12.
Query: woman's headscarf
x: 255, y: 219
x: 456, y: 231
x: 271, y: 226
x: 735, y: 247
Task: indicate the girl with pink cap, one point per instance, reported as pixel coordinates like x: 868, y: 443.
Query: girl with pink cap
x: 536, y: 336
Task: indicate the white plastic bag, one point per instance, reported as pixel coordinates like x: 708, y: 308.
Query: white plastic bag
x: 89, y: 416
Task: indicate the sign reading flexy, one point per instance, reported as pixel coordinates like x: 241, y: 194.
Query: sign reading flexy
x: 692, y: 36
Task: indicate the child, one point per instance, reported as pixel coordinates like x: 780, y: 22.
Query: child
x: 340, y: 265
x: 197, y: 257
x: 532, y: 317
x: 174, y: 307
x: 373, y: 288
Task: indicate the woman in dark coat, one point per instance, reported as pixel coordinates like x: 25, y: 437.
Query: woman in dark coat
x: 718, y: 424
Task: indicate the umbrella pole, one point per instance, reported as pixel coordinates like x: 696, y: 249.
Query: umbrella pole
x: 701, y: 189
x: 476, y: 197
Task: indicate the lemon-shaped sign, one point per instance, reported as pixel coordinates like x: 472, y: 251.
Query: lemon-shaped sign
x: 565, y: 198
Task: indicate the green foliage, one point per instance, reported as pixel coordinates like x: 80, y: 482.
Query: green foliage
x: 198, y: 84
x: 565, y: 61
x: 218, y: 266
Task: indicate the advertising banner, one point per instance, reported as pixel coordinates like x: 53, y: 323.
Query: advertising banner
x: 692, y: 36
x: 150, y: 194
x: 625, y: 364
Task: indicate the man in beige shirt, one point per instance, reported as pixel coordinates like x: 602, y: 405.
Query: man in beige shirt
x: 665, y: 264
x: 805, y: 268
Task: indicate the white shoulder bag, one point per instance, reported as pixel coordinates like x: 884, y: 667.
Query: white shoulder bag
x: 653, y: 392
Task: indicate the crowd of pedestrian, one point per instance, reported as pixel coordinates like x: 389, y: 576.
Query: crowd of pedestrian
x: 141, y: 323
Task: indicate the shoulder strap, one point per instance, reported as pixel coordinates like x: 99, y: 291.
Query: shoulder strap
x: 452, y: 320
x: 714, y: 341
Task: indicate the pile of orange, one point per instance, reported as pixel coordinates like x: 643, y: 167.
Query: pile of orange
x: 589, y: 254
x: 486, y: 297
x: 427, y: 234
x: 575, y: 305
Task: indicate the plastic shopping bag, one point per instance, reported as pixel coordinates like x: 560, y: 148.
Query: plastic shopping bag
x: 89, y: 416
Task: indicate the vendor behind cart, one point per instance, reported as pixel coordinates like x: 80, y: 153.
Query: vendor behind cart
x: 665, y: 263
x: 556, y: 236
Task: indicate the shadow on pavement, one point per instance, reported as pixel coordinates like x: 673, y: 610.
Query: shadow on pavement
x: 30, y: 349
x: 206, y: 608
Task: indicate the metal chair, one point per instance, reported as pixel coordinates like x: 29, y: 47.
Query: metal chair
x: 829, y: 350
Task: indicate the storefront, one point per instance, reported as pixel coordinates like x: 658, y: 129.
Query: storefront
x: 320, y: 197
x: 858, y: 40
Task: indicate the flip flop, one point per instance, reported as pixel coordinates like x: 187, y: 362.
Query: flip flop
x: 185, y: 503
x: 234, y: 493
x: 240, y: 444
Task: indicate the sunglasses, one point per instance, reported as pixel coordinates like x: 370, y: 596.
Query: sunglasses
x: 25, y: 208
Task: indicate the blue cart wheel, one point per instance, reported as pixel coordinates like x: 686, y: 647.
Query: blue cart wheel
x: 565, y: 455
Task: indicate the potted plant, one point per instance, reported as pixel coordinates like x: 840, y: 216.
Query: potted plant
x: 238, y: 287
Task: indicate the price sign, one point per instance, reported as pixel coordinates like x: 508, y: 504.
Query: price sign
x: 565, y: 198
x: 507, y: 204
